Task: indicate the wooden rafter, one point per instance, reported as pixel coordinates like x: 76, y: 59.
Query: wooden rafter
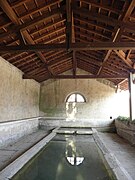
x: 40, y: 8
x: 91, y: 23
x: 105, y: 19
x: 99, y: 5
x: 25, y: 36
x: 45, y: 39
x: 92, y: 31
x: 83, y: 56
x: 126, y: 60
x: 27, y: 25
x: 117, y: 36
x: 108, y: 52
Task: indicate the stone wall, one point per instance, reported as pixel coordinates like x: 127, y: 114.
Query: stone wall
x: 100, y: 106
x: 12, y: 131
x: 19, y: 98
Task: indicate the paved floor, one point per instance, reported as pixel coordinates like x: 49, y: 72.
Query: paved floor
x: 11, y: 152
x: 123, y: 151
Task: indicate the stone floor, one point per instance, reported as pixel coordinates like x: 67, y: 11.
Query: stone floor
x: 122, y: 150
x: 11, y: 152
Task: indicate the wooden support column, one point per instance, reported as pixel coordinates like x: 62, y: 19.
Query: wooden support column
x: 130, y: 82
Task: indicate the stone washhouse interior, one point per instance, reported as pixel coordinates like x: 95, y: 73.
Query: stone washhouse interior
x: 67, y: 89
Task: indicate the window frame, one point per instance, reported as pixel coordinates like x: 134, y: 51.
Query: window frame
x: 75, y: 101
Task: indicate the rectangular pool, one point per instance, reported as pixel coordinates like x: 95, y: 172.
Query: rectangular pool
x: 66, y: 157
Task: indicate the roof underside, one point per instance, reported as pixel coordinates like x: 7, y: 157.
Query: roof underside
x: 72, y: 29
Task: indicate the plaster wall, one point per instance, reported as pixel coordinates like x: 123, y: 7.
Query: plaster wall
x: 100, y: 107
x: 19, y: 98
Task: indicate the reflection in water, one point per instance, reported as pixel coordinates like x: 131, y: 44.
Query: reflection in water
x: 71, y: 111
x: 64, y: 160
x: 73, y: 155
x: 75, y: 160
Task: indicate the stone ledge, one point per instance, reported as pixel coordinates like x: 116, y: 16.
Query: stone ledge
x: 16, y: 165
x: 111, y: 160
x: 127, y: 131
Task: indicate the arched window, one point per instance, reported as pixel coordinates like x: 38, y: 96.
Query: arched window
x: 75, y: 97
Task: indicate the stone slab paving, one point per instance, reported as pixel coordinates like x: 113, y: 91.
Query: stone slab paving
x: 12, y: 151
x: 122, y: 150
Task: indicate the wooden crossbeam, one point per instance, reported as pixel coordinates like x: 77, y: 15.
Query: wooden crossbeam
x: 83, y: 77
x: 74, y: 46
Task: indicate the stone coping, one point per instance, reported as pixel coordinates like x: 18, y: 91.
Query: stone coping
x: 111, y: 160
x: 8, y: 172
x: 19, y: 120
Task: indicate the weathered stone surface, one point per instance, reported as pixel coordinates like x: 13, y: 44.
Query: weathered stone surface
x: 11, y: 152
x: 123, y: 154
x: 19, y: 98
x: 12, y: 131
x: 16, y: 165
x: 127, y: 131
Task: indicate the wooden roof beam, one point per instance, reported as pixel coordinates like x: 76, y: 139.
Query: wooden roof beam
x: 54, y: 23
x: 129, y: 10
x: 93, y: 24
x: 118, y: 34
x: 122, y: 55
x: 92, y: 31
x: 88, y: 59
x: 89, y: 77
x: 40, y: 8
x: 105, y: 19
x: 25, y: 36
x: 18, y: 3
x: 74, y: 46
x: 99, y: 5
x: 82, y: 77
x: 33, y: 22
x: 108, y: 53
x: 39, y: 54
x: 9, y: 11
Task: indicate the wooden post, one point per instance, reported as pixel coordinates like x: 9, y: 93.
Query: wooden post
x: 130, y: 83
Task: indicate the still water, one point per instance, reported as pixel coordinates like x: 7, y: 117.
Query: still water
x: 66, y: 157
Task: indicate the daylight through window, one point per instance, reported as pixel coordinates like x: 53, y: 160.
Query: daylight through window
x: 76, y: 97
